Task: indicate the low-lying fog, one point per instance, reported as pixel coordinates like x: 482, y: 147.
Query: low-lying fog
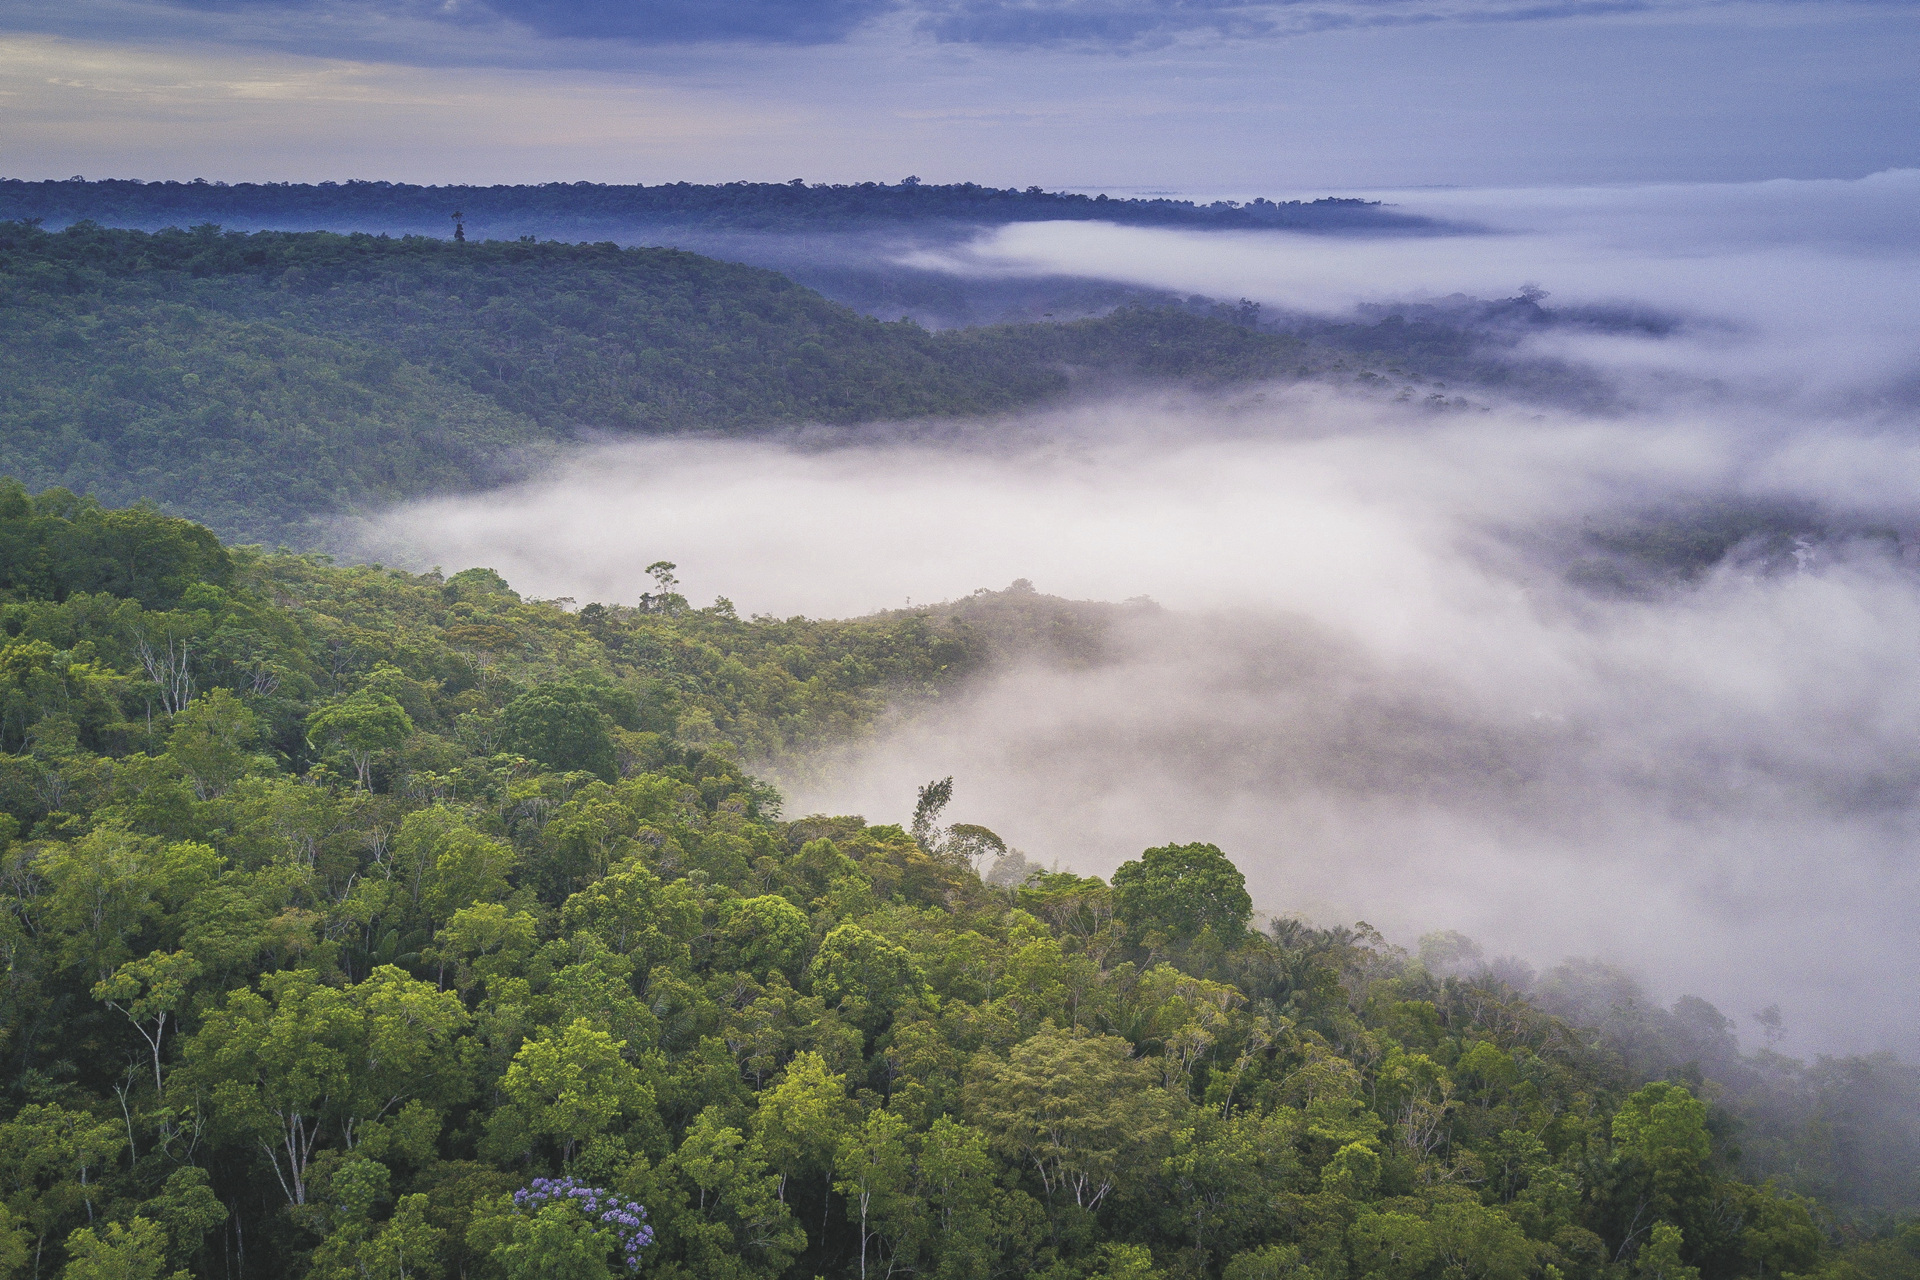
x: 1794, y: 288
x: 1481, y: 669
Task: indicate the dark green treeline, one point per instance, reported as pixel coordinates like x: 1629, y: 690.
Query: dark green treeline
x: 256, y: 382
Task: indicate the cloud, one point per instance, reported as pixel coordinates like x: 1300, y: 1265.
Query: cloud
x: 1801, y: 289
x: 161, y: 112
x: 1641, y: 685
x: 466, y: 30
x: 560, y: 34
x: 650, y: 22
x: 685, y: 21
x: 336, y: 26
x: 1124, y: 23
x: 1701, y: 91
x: 1381, y: 675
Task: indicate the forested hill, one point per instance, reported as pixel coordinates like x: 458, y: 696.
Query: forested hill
x: 572, y: 210
x: 367, y: 926
x: 255, y: 381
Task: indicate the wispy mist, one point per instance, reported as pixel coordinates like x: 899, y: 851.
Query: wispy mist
x: 1376, y: 677
x: 1644, y: 686
x: 1802, y: 288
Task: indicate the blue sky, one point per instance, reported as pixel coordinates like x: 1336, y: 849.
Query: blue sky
x: 1293, y: 96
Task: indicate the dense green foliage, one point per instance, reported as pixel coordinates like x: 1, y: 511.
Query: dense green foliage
x: 572, y: 209
x: 230, y: 375
x: 256, y: 381
x: 338, y: 904
x: 1208, y: 346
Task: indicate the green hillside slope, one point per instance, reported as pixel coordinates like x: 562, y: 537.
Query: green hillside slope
x: 254, y: 381
x: 362, y: 924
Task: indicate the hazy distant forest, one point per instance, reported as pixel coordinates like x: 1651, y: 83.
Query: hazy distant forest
x: 581, y: 208
x: 368, y: 925
x: 261, y: 382
x: 252, y: 381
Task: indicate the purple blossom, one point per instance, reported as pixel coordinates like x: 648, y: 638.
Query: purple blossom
x: 627, y: 1222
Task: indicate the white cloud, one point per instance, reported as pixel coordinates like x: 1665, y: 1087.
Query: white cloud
x: 1376, y: 684
x: 1373, y: 686
x: 1808, y: 284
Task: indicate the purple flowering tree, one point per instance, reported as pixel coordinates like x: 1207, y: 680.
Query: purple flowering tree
x: 623, y: 1224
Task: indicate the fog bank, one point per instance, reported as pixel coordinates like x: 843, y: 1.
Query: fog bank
x: 1808, y: 290
x: 1641, y: 684
x: 1424, y: 668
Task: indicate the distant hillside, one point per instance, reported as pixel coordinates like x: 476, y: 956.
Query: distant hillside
x: 577, y: 210
x: 257, y: 381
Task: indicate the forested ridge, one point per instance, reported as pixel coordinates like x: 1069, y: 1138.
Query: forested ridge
x: 366, y: 924
x: 597, y: 208
x: 257, y: 382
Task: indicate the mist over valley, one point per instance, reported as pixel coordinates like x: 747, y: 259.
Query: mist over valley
x: 1633, y: 681
x: 1367, y: 708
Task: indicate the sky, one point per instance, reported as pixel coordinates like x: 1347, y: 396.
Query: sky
x: 1201, y: 95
